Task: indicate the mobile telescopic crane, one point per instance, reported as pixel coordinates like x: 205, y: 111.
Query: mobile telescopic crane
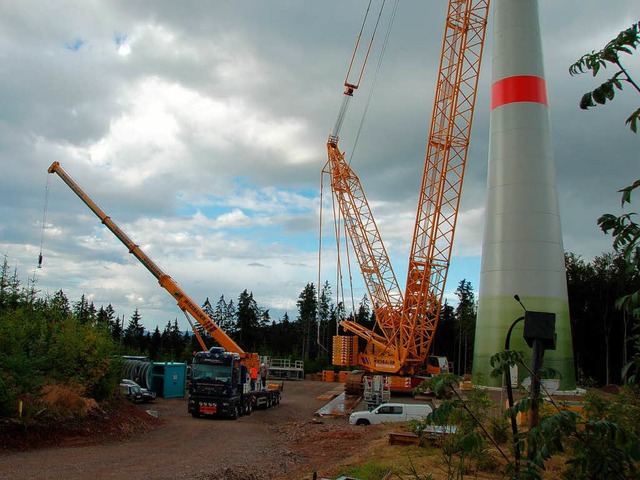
x: 405, y: 325
x: 185, y: 302
x: 218, y: 385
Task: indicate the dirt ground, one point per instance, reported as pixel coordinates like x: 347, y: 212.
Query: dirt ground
x: 285, y: 442
x: 281, y: 443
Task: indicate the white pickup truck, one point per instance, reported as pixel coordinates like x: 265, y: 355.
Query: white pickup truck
x: 390, y: 412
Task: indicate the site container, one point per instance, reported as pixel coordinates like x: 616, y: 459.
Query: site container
x: 169, y: 379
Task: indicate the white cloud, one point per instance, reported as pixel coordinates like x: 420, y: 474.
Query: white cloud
x: 468, y: 236
x: 233, y: 219
x: 202, y: 131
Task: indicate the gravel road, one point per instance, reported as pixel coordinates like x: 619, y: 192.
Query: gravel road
x: 279, y: 443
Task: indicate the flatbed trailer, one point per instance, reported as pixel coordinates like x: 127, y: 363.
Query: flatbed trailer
x: 215, y: 406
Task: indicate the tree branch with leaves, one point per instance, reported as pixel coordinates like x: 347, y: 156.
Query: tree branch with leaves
x: 610, y: 55
x: 623, y: 228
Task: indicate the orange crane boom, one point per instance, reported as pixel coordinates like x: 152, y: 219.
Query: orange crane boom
x: 185, y: 303
x: 445, y: 162
x: 408, y: 323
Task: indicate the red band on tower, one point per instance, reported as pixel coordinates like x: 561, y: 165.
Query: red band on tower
x: 523, y: 88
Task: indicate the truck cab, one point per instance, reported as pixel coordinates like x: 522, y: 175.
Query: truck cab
x: 219, y: 386
x: 216, y: 384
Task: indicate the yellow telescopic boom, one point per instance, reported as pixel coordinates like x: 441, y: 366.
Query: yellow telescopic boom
x: 185, y: 302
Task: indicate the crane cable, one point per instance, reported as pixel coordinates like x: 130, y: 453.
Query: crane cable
x: 383, y: 49
x: 340, y: 296
x: 44, y: 219
x: 355, y: 49
x: 337, y: 215
x: 320, y: 288
x: 348, y: 93
x: 353, y: 86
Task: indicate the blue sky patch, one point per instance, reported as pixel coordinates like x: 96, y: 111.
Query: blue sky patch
x: 74, y: 45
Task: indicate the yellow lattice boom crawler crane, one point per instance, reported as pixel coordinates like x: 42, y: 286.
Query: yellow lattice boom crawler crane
x: 401, y: 340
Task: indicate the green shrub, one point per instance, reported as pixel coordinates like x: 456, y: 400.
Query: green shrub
x: 623, y: 408
x: 499, y: 429
x: 317, y: 365
x: 370, y: 470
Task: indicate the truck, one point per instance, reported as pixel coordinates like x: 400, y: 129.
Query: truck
x: 219, y: 387
x: 390, y: 412
x: 207, y: 396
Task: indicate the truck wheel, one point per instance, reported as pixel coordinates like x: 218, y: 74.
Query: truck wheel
x: 247, y: 407
x: 362, y: 422
x: 235, y: 413
x: 195, y: 414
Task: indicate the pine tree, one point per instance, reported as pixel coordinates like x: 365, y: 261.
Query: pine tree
x: 225, y: 317
x: 9, y: 287
x: 134, y: 333
x: 176, y: 341
x: 307, y: 308
x: 166, y: 337
x: 208, y: 309
x: 84, y: 311
x: 248, y: 315
x: 30, y: 293
x: 445, y: 338
x: 265, y: 318
x: 326, y: 329
x: 363, y: 316
x: 59, y: 305
x: 105, y: 315
x: 155, y: 344
x: 466, y: 313
x: 116, y: 328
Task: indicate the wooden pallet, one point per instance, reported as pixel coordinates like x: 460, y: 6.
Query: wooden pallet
x: 403, y: 438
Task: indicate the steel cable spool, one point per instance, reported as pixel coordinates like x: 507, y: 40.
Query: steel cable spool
x: 138, y: 371
x: 145, y: 375
x: 127, y: 369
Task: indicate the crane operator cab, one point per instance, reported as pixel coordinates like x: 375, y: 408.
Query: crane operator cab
x: 437, y: 365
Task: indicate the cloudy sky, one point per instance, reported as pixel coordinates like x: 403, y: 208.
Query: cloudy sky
x: 200, y: 128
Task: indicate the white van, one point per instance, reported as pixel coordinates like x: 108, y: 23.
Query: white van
x: 390, y: 412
